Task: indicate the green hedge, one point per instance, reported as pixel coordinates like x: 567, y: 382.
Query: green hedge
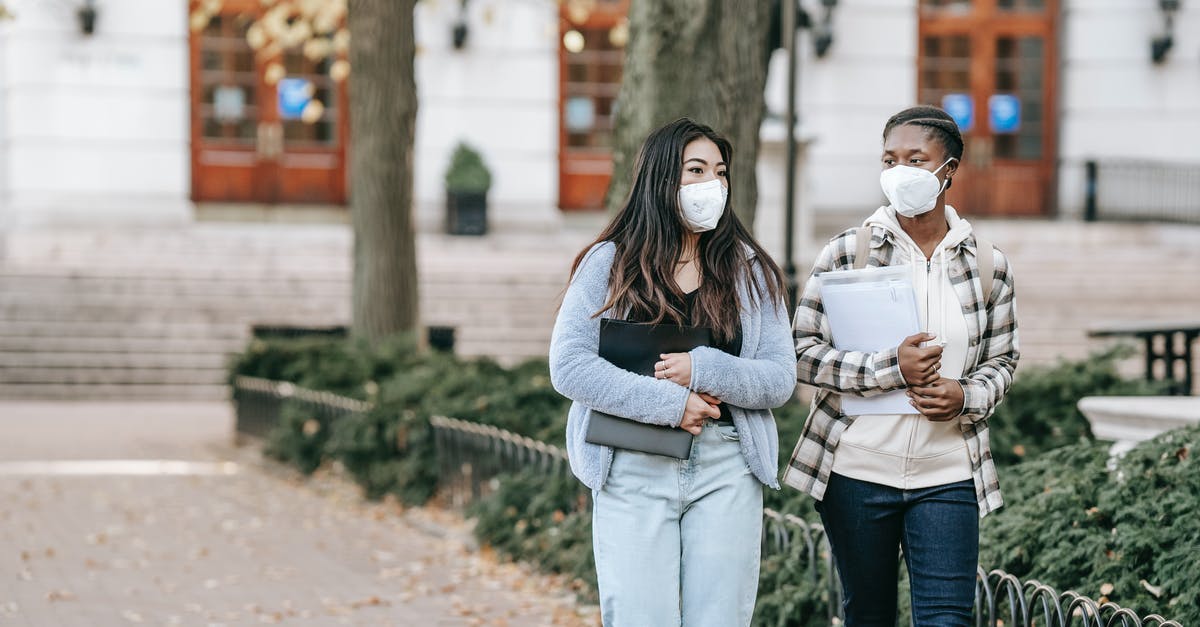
x: 1073, y: 523
x: 541, y: 518
x: 390, y: 449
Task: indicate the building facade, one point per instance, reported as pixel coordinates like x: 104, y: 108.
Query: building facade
x: 151, y: 116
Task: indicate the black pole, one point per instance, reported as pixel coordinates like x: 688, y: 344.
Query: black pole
x: 788, y: 34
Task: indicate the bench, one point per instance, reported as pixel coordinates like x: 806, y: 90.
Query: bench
x: 1168, y: 343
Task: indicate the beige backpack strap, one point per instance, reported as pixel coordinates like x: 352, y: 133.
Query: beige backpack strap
x: 986, y: 262
x: 862, y: 246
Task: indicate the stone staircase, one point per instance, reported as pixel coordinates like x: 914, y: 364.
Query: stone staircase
x: 1074, y: 276
x: 158, y: 313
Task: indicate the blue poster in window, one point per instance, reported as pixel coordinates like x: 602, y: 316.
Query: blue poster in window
x: 1004, y: 113
x: 294, y: 95
x: 961, y: 108
x: 579, y: 113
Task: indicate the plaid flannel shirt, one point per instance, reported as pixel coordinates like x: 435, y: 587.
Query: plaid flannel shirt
x: 992, y: 355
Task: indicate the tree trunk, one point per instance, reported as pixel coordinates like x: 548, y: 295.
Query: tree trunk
x: 383, y: 111
x: 704, y: 59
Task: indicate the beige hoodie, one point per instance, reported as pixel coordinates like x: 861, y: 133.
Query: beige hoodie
x: 910, y: 451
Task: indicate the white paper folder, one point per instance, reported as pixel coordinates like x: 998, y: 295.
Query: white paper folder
x: 870, y: 310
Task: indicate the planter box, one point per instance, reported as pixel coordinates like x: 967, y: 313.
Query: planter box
x: 466, y: 213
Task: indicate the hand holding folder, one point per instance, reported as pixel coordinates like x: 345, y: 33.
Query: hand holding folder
x: 636, y: 347
x: 870, y: 310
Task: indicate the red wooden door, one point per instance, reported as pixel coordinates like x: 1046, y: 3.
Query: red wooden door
x: 995, y: 60
x: 248, y: 144
x: 591, y: 55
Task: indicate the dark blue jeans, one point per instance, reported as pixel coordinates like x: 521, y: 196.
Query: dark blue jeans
x: 937, y: 527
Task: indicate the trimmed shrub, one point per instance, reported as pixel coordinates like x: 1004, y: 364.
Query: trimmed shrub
x: 299, y: 439
x: 1129, y: 535
x: 1069, y: 521
x: 350, y: 368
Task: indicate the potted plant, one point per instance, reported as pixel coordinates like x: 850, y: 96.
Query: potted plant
x: 467, y: 184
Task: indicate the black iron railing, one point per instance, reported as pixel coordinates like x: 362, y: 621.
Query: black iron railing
x: 464, y: 449
x: 1142, y: 190
x: 1002, y: 599
x: 472, y: 455
x: 259, y: 404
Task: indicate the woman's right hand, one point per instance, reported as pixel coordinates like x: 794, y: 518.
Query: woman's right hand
x: 697, y: 410
x: 919, y: 366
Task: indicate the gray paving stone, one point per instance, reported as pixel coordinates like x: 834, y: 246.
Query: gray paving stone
x: 260, y: 546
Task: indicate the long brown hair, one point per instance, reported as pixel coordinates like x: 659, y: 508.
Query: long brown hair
x: 648, y: 234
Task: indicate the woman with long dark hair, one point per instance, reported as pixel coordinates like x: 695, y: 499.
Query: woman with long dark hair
x: 676, y: 541
x: 919, y: 479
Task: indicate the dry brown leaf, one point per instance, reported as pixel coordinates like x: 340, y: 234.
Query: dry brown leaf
x: 59, y: 595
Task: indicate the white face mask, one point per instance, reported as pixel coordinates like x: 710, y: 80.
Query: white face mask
x: 703, y: 204
x: 912, y: 191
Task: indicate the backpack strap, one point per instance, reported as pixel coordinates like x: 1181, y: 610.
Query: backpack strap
x: 983, y: 255
x: 986, y: 262
x: 862, y: 246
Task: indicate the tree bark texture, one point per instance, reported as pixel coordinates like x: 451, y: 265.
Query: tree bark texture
x: 383, y: 110
x: 704, y: 59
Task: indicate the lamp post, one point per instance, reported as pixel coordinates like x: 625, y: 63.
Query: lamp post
x: 793, y: 18
x: 458, y: 33
x: 87, y: 14
x: 788, y: 34
x: 1159, y: 46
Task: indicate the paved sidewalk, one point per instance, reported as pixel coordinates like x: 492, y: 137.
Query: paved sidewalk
x: 230, y: 540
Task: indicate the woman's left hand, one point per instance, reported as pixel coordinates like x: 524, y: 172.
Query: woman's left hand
x: 675, y: 367
x: 939, y: 401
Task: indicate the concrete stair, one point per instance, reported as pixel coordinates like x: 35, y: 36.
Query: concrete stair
x: 159, y: 313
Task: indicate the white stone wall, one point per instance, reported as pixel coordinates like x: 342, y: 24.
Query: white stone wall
x: 1116, y: 103
x: 843, y: 101
x: 95, y: 129
x: 499, y: 94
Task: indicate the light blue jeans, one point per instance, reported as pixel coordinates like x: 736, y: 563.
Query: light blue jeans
x: 677, y: 541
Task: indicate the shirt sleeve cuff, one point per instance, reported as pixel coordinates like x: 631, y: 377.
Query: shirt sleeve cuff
x: 974, y: 406
x: 886, y: 365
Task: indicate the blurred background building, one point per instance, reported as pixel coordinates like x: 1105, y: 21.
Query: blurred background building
x: 159, y: 180
x: 136, y: 118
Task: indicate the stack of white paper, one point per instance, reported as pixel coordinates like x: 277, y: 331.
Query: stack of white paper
x: 870, y: 310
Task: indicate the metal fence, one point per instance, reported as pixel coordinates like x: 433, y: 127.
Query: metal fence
x: 471, y: 456
x: 1142, y: 190
x: 259, y: 404
x: 464, y: 449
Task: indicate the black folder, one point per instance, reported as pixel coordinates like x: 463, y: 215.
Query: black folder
x: 636, y: 347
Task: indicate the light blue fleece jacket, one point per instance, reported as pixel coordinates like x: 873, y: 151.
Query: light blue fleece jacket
x: 763, y: 376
